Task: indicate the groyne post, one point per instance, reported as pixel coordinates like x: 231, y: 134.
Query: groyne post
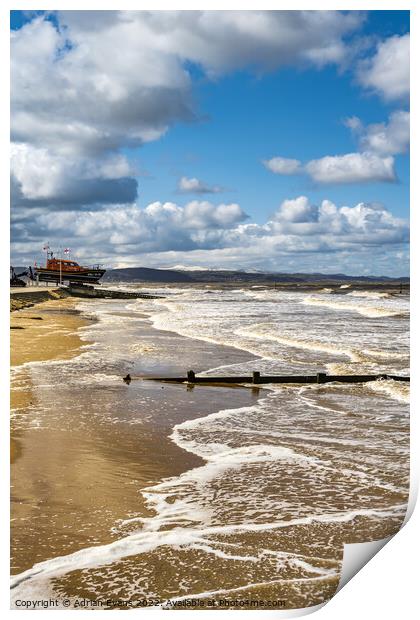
x: 257, y: 379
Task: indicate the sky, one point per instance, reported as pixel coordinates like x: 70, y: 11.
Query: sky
x: 257, y: 140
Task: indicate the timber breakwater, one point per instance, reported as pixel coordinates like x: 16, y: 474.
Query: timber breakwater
x: 256, y: 378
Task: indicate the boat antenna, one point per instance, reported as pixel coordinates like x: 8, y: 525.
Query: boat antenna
x: 46, y: 249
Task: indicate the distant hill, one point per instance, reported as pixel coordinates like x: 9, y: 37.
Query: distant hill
x: 144, y: 274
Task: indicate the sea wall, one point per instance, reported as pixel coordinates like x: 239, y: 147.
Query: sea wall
x: 31, y: 297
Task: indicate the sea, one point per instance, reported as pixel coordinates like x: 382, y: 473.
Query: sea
x: 166, y: 495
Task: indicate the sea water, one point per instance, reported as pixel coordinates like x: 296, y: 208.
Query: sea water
x: 280, y: 484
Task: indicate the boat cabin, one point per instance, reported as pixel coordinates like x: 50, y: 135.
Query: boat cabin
x: 65, y: 265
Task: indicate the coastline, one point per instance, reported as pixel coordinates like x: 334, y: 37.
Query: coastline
x: 91, y: 475
x: 34, y: 330
x: 124, y: 465
x: 33, y: 338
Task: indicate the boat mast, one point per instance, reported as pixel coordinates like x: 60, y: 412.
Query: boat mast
x: 46, y: 249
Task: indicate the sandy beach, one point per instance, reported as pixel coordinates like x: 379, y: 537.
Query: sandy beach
x: 45, y: 332
x: 149, y: 491
x: 73, y: 478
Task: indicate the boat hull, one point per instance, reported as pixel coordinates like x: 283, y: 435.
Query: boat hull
x: 54, y: 275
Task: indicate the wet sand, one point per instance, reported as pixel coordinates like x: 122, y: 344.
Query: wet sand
x: 75, y: 475
x: 46, y: 332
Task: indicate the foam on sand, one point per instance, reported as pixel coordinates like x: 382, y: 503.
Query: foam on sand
x: 143, y: 542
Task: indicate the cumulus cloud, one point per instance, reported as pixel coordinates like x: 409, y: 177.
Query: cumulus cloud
x: 164, y: 233
x: 224, y: 40
x: 352, y: 168
x: 42, y: 178
x: 92, y: 90
x: 389, y: 138
x: 87, y: 87
x: 159, y: 226
x: 298, y: 210
x: 388, y: 71
x: 282, y: 165
x: 378, y: 143
x: 366, y: 167
x: 97, y: 82
x: 195, y: 186
x: 88, y: 84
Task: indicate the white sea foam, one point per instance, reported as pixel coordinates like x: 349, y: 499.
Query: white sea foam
x: 395, y: 389
x: 369, y: 294
x: 264, y: 332
x: 257, y: 331
x: 364, y: 310
x: 323, y: 574
x: 143, y: 542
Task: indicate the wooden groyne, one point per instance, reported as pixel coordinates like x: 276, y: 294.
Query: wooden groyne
x: 257, y: 378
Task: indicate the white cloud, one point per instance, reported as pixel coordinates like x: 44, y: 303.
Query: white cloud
x: 282, y: 165
x: 353, y: 122
x: 165, y: 233
x: 366, y: 167
x: 108, y: 81
x: 195, y: 186
x: 224, y: 40
x: 388, y: 71
x: 40, y: 177
x: 388, y: 139
x: 99, y: 82
x: 88, y: 98
x: 159, y: 226
x: 298, y: 210
x: 205, y: 215
x: 375, y: 163
x: 352, y: 168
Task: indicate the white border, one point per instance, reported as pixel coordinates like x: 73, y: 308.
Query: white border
x: 387, y: 587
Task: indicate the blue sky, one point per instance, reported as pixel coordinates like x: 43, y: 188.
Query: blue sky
x: 263, y: 140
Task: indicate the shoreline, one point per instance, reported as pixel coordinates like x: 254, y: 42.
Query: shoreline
x: 33, y: 330
x: 31, y: 341
x: 99, y: 467
x: 127, y: 464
